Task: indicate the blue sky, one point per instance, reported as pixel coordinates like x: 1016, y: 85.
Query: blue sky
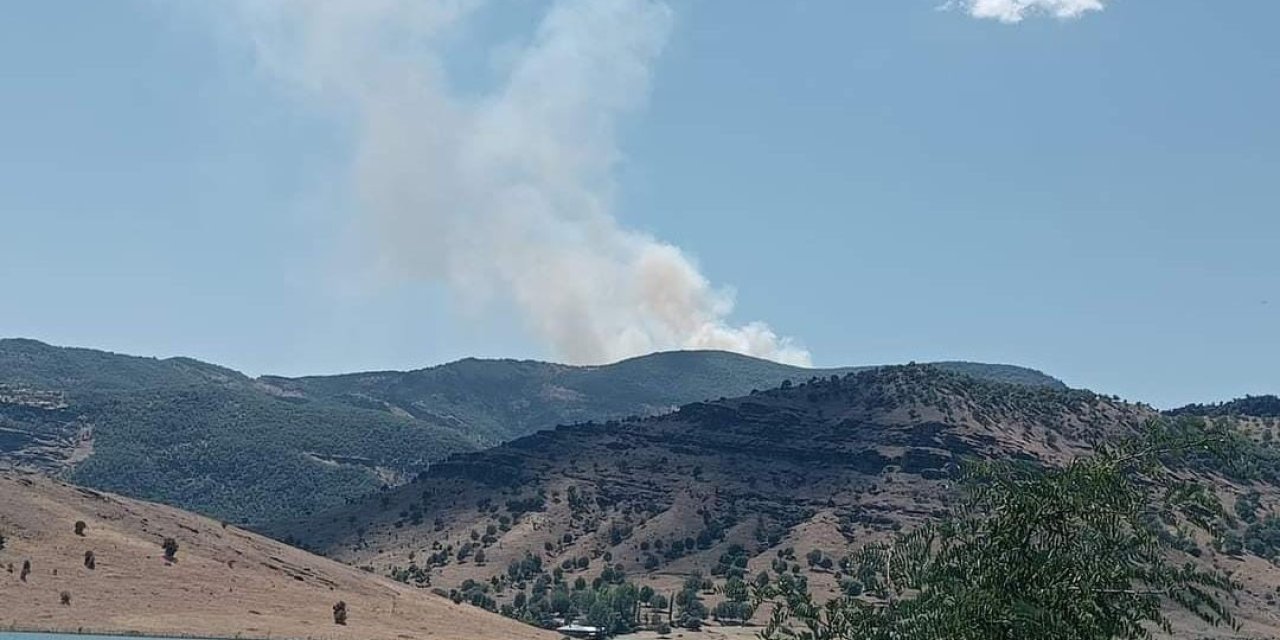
x: 883, y: 181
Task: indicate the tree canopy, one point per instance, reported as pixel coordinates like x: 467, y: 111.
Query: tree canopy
x: 1085, y: 551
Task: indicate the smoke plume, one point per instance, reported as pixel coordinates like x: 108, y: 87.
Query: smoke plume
x: 506, y: 193
x: 1014, y: 11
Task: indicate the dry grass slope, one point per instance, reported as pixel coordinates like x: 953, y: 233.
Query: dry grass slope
x: 225, y: 582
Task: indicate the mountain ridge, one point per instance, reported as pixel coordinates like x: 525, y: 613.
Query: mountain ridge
x: 251, y: 450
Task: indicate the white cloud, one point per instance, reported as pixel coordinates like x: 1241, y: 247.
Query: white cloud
x: 1014, y: 11
x: 508, y: 193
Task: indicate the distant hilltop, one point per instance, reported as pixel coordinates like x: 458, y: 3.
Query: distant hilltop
x: 250, y: 450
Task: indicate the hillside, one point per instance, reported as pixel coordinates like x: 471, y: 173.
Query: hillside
x: 503, y: 399
x: 249, y: 451
x: 199, y: 436
x: 1267, y: 406
x: 855, y: 446
x: 788, y: 478
x: 224, y: 582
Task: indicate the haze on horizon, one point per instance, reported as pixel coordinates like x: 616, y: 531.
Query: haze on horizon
x: 288, y: 187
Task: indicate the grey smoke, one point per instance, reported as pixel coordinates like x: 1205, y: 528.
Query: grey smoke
x: 508, y: 195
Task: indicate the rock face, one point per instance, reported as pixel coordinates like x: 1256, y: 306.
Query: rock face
x: 222, y: 582
x: 38, y: 430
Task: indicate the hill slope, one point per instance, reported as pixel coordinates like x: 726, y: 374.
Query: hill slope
x: 503, y: 399
x: 225, y: 582
x: 781, y: 455
x: 213, y: 440
x: 729, y: 487
x: 199, y: 436
x: 1267, y: 406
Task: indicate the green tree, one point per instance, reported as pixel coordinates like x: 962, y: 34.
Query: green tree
x: 1079, y: 552
x: 733, y: 613
x: 659, y: 602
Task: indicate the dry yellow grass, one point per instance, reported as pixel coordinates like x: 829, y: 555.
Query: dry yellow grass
x: 226, y: 582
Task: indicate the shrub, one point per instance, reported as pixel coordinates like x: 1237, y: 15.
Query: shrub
x: 26, y: 570
x: 170, y: 549
x: 65, y: 598
x: 814, y: 557
x: 851, y: 587
x: 659, y: 602
x: 90, y: 562
x: 80, y: 525
x: 340, y: 613
x: 738, y: 613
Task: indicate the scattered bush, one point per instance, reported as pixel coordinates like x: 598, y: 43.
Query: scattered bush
x: 659, y: 602
x: 1262, y: 538
x: 734, y: 613
x: 814, y: 557
x: 170, y: 549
